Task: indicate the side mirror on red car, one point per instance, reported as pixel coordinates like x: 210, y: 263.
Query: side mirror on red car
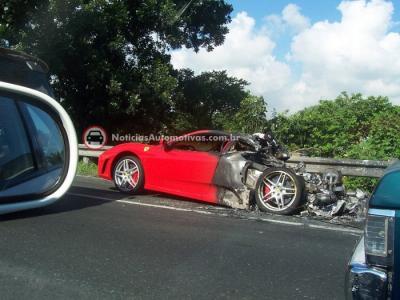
x: 164, y: 144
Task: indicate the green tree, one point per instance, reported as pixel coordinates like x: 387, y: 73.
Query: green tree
x: 109, y: 60
x: 383, y: 140
x: 332, y: 127
x: 250, y: 118
x: 202, y: 99
x: 347, y: 127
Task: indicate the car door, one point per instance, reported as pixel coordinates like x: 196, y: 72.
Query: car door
x: 184, y: 171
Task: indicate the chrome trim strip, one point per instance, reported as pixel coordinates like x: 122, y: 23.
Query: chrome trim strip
x: 361, y: 270
x: 381, y: 212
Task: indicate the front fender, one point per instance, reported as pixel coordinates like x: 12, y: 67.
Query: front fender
x: 108, y: 158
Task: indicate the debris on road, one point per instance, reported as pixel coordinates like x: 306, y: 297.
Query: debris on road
x: 326, y: 197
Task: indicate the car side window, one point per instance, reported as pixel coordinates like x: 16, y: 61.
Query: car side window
x: 49, y: 137
x: 184, y: 145
x: 200, y: 143
x: 15, y: 152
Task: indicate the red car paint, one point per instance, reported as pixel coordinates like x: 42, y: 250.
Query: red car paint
x: 177, y: 172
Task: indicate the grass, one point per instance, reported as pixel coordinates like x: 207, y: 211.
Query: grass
x: 89, y: 169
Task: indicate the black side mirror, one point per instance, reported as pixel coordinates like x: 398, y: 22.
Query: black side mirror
x: 167, y: 146
x: 38, y: 149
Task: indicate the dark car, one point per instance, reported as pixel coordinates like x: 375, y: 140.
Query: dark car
x: 24, y: 70
x: 374, y: 269
x: 95, y: 137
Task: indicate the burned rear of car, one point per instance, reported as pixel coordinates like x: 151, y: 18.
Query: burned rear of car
x: 252, y: 171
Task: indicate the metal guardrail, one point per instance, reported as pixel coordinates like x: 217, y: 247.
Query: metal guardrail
x: 348, y: 167
x: 86, y: 152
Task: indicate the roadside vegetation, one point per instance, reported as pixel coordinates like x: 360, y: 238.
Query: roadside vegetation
x: 110, y: 65
x: 346, y: 127
x: 87, y: 169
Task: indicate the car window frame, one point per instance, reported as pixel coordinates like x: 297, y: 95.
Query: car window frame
x: 33, y: 133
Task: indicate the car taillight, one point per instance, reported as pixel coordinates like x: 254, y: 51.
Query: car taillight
x: 379, y: 232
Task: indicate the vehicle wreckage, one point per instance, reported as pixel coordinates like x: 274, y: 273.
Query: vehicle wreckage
x: 238, y: 171
x: 324, y: 194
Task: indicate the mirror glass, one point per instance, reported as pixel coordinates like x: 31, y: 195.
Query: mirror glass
x: 32, y: 148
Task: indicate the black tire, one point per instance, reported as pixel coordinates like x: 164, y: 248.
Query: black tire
x: 278, y: 199
x: 128, y: 188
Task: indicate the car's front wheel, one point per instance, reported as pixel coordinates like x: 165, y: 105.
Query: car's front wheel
x: 128, y: 175
x: 280, y: 191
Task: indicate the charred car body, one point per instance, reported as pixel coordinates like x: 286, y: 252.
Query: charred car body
x: 212, y: 166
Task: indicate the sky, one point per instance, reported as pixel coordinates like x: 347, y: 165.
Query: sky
x: 294, y: 53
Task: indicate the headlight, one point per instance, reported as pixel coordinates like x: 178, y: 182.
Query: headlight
x: 379, y: 232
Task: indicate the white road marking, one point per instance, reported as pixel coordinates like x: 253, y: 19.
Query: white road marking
x: 130, y: 202
x: 165, y: 207
x: 152, y: 205
x: 280, y: 222
x: 350, y: 230
x: 126, y: 201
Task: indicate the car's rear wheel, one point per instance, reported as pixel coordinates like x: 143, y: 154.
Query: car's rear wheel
x: 280, y: 191
x: 128, y: 175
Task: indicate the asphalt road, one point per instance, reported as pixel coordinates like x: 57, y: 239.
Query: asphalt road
x: 96, y: 243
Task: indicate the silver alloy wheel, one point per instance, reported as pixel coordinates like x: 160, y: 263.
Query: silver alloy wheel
x: 278, y: 191
x: 127, y: 174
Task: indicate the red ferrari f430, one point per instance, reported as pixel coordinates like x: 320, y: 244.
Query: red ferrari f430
x: 211, y: 166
